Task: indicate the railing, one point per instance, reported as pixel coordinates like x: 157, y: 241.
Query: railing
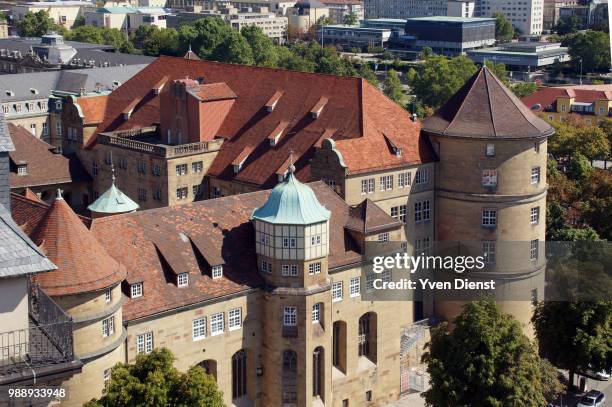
x: 125, y: 140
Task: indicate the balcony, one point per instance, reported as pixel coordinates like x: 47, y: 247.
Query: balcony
x: 148, y: 141
x: 43, y: 352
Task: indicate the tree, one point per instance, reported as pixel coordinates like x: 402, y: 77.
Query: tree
x: 264, y: 51
x: 580, y: 167
x: 486, y: 360
x: 499, y: 70
x: 441, y: 77
x: 153, y: 381
x: 523, y: 89
x: 392, y: 87
x: 550, y: 380
x: 287, y: 59
x: 350, y: 19
x: 233, y: 49
x: 425, y: 53
x: 368, y: 74
x: 574, y: 335
x: 504, y: 30
x: 568, y: 25
x: 204, y: 35
x: 86, y: 33
x: 35, y: 24
x: 592, y: 47
x: 592, y: 142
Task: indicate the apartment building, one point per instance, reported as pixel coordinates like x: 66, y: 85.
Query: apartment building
x: 62, y: 12
x: 340, y: 8
x: 404, y: 8
x: 527, y: 16
x: 127, y: 18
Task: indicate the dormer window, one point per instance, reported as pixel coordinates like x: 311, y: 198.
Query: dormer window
x: 490, y: 150
x: 398, y: 152
x: 217, y: 272
x: 136, y: 290
x: 22, y: 169
x: 182, y: 280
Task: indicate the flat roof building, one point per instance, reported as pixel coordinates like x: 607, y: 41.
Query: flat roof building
x: 404, y: 8
x: 350, y: 36
x: 523, y: 54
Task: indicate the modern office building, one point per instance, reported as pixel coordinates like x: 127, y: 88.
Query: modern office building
x: 404, y: 8
x: 461, y: 8
x: 353, y: 37
x: 526, y: 15
x: 523, y: 55
x: 340, y: 8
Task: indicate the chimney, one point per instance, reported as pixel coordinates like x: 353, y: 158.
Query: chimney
x: 6, y: 146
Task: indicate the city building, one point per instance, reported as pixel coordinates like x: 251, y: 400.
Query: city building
x: 62, y: 12
x: 51, y: 52
x: 404, y: 8
x: 450, y: 36
x: 460, y: 8
x: 522, y: 55
x: 353, y: 36
x: 587, y: 103
x: 127, y: 18
x: 526, y: 15
x: 279, y: 7
x: 304, y: 15
x: 39, y: 168
x: 551, y: 12
x: 340, y: 8
x: 592, y: 14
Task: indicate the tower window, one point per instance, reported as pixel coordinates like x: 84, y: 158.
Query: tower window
x: 266, y: 267
x: 239, y: 374
x: 337, y: 291
x: 289, y: 242
x: 315, y: 240
x: 290, y: 316
x: 488, y: 251
x: 490, y: 150
x: 535, y: 215
x: 289, y: 270
x: 181, y: 169
x: 108, y: 326
x: 489, y: 178
x: 108, y: 295
x: 289, y: 377
x: 317, y: 372
x: 489, y: 217
x: 422, y: 211
x: 383, y: 237
x: 533, y: 249
x: 535, y: 175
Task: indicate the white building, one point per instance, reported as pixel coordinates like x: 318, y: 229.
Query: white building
x: 404, y: 8
x: 126, y: 18
x: 460, y: 8
x: 339, y: 8
x: 525, y: 15
x: 64, y: 13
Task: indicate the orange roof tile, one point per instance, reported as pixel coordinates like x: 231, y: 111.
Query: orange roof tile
x: 93, y: 108
x: 209, y: 92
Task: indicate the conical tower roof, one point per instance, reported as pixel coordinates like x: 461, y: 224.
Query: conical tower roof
x: 292, y: 203
x: 484, y: 108
x: 83, y: 265
x: 113, y: 201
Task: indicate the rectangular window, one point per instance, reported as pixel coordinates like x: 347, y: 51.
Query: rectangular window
x: 488, y: 251
x: 108, y: 295
x: 337, y: 291
x: 290, y: 316
x: 181, y: 193
x: 315, y: 240
x: 314, y: 268
x: 196, y: 190
x: 144, y: 343
x: 421, y: 246
x: 196, y: 167
x: 489, y: 178
x: 355, y: 286
x: 45, y: 130
x: 489, y: 217
x: 142, y: 167
x: 370, y: 277
x: 289, y: 270
x: 386, y: 182
x: 403, y: 179
x: 316, y: 313
x: 181, y: 169
x: 22, y: 169
x: 136, y: 290
x: 182, y: 280
x: 383, y: 237
x: 106, y: 375
x: 217, y: 272
x: 58, y: 128
x: 108, y: 326
x: 156, y: 170
x: 386, y: 276
x: 142, y: 194
x: 533, y: 250
x: 216, y: 324
x: 198, y: 329
x: 234, y: 318
x: 421, y: 177
x: 367, y: 186
x: 265, y: 239
x: 289, y: 242
x: 94, y: 168
x: 422, y: 211
x: 157, y: 194
x: 399, y: 212
x: 266, y: 267
x: 535, y: 175
x: 535, y: 215
x: 490, y: 152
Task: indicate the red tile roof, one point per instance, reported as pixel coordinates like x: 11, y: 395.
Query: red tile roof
x: 548, y: 96
x: 209, y: 92
x: 93, y: 108
x: 359, y: 112
x: 83, y: 264
x: 28, y: 212
x: 43, y: 166
x: 367, y: 217
x: 485, y: 108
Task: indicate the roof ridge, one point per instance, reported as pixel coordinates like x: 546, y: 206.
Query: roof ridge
x: 485, y: 69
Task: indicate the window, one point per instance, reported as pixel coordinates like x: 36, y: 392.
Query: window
x: 5, y: 109
x: 533, y: 250
x: 182, y: 280
x: 368, y: 395
x: 317, y: 372
x: 196, y: 190
x: 535, y: 175
x: 386, y: 276
x: 355, y: 286
x: 239, y: 374
x: 265, y: 239
x: 156, y: 170
x: 22, y: 169
x: 364, y: 339
x: 488, y: 251
x: 422, y: 211
x: 367, y: 186
x: 196, y: 167
x: 142, y: 167
x: 403, y: 179
x: 314, y: 268
x: 289, y: 270
x: 337, y: 291
x: 370, y: 277
x: 316, y: 313
x: 43, y: 105
x: 535, y: 215
x: 136, y: 290
x: 386, y: 182
x: 290, y: 316
x: 234, y: 318
x: 144, y: 343
x: 289, y: 382
x: 536, y: 145
x: 108, y: 295
x: 421, y: 177
x: 217, y: 272
x: 157, y: 194
x: 266, y: 267
x: 198, y: 329
x: 490, y: 152
x: 421, y: 246
x: 142, y: 194
x: 58, y: 105
x: 315, y: 240
x: 108, y: 326
x: 17, y: 108
x: 181, y: 169
x: 489, y: 217
x: 106, y: 374
x: 289, y: 242
x: 71, y: 135
x: 45, y: 129
x: 399, y: 213
x: 534, y: 297
x: 216, y: 324
x: 383, y: 237
x: 489, y: 178
x: 29, y: 106
x: 181, y: 193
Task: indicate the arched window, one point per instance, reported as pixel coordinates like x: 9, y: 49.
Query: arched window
x: 239, y: 374
x: 318, y: 366
x: 210, y: 367
x: 289, y: 378
x: 339, y: 343
x: 367, y: 336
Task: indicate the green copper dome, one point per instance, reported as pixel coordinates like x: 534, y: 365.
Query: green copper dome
x: 292, y: 203
x: 113, y: 201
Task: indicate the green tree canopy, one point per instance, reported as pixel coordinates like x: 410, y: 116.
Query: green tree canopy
x: 153, y: 381
x: 350, y: 19
x: 592, y: 47
x: 36, y: 24
x: 233, y: 49
x: 205, y: 34
x: 504, y: 30
x: 264, y: 50
x: 568, y: 25
x: 486, y: 360
x: 155, y: 41
x: 392, y: 87
x: 523, y: 89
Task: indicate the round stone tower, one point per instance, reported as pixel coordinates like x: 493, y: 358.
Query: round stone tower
x: 87, y: 286
x: 292, y: 244
x: 491, y: 188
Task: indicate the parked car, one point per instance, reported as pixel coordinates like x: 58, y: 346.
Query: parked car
x: 593, y: 398
x: 599, y: 375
